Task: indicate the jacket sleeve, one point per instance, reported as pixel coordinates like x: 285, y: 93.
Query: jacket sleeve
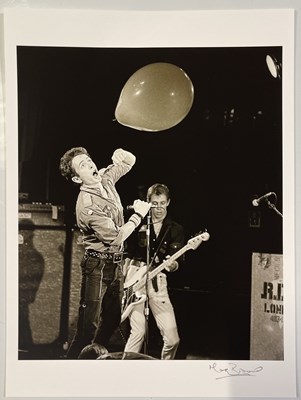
x: 120, y: 166
x: 104, y: 227
x: 114, y: 172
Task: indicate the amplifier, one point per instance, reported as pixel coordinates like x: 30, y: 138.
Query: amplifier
x: 41, y: 214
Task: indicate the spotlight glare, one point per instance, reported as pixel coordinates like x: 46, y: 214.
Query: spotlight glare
x: 273, y: 66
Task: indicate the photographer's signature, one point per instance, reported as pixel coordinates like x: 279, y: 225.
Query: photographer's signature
x: 233, y: 369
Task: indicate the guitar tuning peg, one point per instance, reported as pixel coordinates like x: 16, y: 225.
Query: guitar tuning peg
x: 205, y: 236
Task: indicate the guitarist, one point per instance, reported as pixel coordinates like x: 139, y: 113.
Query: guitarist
x: 166, y: 238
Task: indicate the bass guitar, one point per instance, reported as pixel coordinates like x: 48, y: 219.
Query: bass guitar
x: 132, y: 295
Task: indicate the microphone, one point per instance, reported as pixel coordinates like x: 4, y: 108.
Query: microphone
x: 256, y: 202
x: 131, y: 207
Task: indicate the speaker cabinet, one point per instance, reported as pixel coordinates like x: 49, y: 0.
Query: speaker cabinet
x: 42, y: 237
x: 75, y: 281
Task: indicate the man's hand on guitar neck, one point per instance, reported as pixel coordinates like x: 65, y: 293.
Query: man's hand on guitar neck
x: 170, y: 265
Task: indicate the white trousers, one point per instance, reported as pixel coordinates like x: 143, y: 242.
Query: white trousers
x: 164, y: 315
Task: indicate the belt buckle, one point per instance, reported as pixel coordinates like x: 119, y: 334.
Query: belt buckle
x: 117, y: 257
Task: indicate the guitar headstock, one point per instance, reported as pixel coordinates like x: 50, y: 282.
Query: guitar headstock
x: 194, y: 242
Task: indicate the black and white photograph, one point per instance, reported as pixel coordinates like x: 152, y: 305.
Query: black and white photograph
x: 152, y: 184
x: 204, y: 124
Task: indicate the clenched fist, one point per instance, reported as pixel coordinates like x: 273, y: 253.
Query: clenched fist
x: 141, y: 207
x: 122, y: 156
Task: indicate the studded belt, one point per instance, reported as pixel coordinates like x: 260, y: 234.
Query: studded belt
x: 113, y: 257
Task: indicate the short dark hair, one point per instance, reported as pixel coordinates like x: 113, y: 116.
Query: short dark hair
x: 92, y: 352
x: 66, y: 169
x: 157, y: 189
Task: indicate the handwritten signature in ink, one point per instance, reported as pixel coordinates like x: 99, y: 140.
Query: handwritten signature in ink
x: 233, y: 370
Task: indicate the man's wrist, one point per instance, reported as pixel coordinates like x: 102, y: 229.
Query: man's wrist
x: 139, y: 215
x: 136, y: 219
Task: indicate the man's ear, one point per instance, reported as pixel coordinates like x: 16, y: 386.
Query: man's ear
x: 168, y: 201
x: 76, y: 179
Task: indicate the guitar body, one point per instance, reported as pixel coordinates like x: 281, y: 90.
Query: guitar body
x: 136, y: 298
x: 134, y: 286
x: 131, y: 297
x: 134, y: 275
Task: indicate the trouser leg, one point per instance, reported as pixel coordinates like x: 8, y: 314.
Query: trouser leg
x: 110, y: 307
x: 164, y: 315
x: 87, y: 320
x: 137, y: 333
x: 92, y: 289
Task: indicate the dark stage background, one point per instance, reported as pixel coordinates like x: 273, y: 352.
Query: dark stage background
x: 215, y: 162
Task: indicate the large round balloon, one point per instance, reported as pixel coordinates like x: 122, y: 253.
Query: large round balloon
x: 156, y: 97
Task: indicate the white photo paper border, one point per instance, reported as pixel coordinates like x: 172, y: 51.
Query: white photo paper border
x: 97, y: 28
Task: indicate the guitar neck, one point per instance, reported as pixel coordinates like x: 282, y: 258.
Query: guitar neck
x: 139, y: 285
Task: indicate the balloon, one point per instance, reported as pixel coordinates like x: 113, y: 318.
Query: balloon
x: 156, y: 97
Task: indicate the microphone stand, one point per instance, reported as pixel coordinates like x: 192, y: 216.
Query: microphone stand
x: 273, y: 207
x: 146, y: 308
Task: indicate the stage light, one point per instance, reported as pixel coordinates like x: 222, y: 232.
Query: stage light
x: 274, y: 66
x: 230, y: 117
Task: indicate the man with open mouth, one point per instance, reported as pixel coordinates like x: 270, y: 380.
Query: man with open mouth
x: 99, y: 215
